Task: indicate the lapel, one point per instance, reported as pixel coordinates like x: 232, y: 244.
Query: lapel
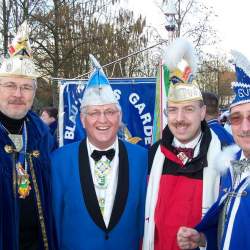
x: 88, y: 189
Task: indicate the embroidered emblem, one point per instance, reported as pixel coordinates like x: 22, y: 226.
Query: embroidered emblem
x: 184, y: 159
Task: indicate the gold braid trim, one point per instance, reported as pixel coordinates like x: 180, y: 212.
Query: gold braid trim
x: 38, y: 199
x: 10, y: 150
x: 14, y: 175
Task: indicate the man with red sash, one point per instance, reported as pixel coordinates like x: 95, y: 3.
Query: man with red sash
x: 182, y: 183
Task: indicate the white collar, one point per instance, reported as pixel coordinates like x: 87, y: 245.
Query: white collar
x: 242, y: 157
x: 92, y: 147
x: 191, y: 144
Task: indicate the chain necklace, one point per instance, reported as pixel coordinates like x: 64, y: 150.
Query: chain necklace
x: 20, y: 142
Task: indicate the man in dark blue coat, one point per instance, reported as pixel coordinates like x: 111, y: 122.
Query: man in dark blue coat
x: 49, y: 117
x: 25, y: 143
x: 212, y: 112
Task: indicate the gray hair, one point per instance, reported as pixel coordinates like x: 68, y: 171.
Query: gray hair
x: 83, y: 111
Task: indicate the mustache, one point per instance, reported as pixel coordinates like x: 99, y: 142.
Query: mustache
x: 17, y: 102
x: 181, y: 123
x: 244, y: 133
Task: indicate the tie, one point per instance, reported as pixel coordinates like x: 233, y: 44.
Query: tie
x: 189, y: 152
x: 97, y: 155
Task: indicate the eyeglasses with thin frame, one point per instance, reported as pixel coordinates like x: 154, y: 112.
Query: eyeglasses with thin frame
x: 12, y: 88
x: 237, y: 119
x: 95, y: 114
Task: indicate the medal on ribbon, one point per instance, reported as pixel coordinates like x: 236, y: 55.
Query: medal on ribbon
x: 23, y: 182
x: 182, y: 156
x: 101, y: 202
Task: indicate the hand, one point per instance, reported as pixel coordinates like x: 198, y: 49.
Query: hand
x: 189, y: 238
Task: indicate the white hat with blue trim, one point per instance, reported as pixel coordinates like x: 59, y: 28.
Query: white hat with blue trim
x: 98, y: 90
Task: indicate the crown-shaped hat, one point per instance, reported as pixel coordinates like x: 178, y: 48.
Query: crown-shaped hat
x: 181, y: 61
x: 241, y: 87
x: 19, y: 62
x: 98, y: 90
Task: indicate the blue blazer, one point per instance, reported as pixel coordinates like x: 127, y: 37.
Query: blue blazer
x: 79, y: 221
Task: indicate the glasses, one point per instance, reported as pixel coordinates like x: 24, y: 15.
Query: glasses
x: 12, y: 88
x: 237, y: 119
x: 109, y: 113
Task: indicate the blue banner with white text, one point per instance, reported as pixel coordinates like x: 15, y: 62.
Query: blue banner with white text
x: 136, y: 97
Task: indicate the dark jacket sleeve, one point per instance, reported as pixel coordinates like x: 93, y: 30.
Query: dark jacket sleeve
x: 151, y: 155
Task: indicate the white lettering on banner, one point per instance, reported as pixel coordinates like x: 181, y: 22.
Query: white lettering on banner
x: 148, y: 133
x: 148, y: 130
x: 140, y: 107
x: 70, y: 131
x: 146, y: 118
x: 134, y: 98
x: 147, y: 140
x: 73, y: 114
x: 117, y: 93
x: 243, y: 92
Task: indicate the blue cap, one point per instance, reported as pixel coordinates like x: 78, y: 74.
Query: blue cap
x: 241, y: 87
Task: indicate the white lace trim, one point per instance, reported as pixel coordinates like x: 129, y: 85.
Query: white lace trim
x: 240, y: 84
x: 240, y: 102
x: 241, y: 61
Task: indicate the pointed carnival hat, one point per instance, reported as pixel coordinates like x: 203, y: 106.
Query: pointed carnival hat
x: 241, y: 87
x: 181, y: 62
x: 98, y: 90
x: 19, y: 63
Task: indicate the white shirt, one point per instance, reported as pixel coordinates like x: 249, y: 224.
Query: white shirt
x: 109, y: 193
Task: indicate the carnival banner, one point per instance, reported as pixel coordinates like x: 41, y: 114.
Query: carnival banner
x: 136, y: 97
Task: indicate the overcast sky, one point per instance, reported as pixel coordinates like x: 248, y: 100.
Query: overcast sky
x: 233, y: 22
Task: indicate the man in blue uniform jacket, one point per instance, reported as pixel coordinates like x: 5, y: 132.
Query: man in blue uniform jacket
x: 99, y: 184
x: 25, y: 144
x: 226, y: 225
x: 212, y: 112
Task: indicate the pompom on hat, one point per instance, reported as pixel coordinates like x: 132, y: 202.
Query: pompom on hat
x: 241, y: 87
x: 181, y: 62
x: 98, y: 90
x: 19, y: 63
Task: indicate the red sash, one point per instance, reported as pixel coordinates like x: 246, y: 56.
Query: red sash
x: 179, y: 204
